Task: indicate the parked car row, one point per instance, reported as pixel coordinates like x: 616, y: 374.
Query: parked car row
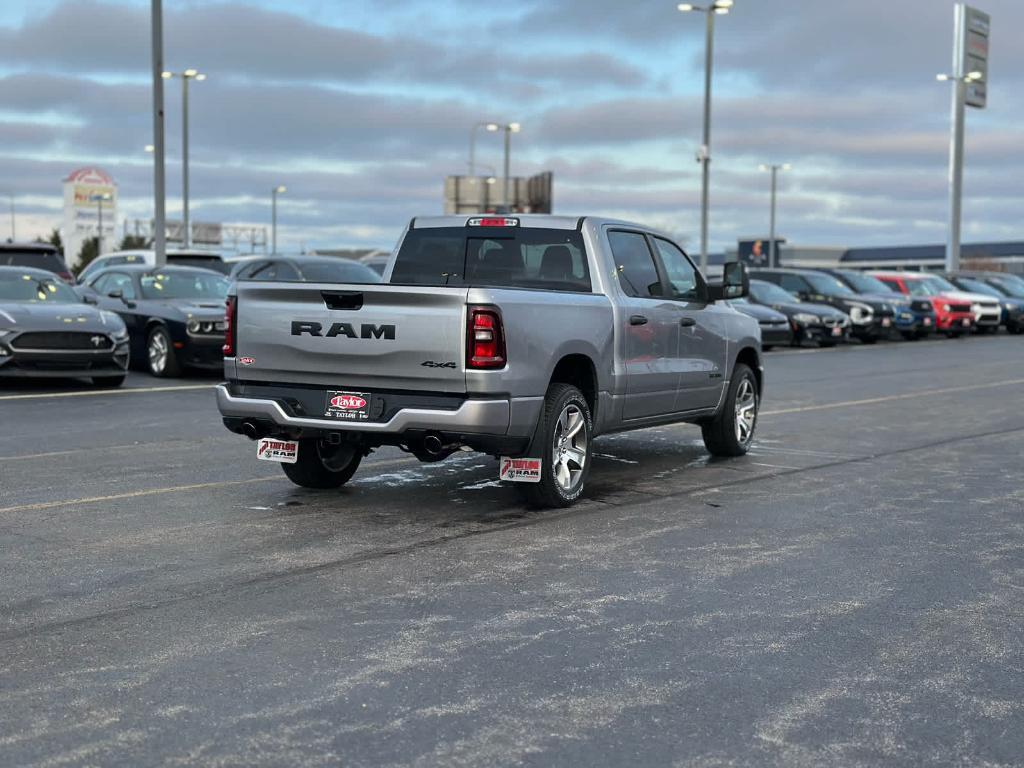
x: 123, y: 309
x: 830, y: 306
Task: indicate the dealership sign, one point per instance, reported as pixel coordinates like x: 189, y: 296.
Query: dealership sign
x: 90, y: 195
x: 972, y: 53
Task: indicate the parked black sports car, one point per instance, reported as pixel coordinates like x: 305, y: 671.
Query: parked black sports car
x: 46, y: 331
x: 775, y: 328
x: 175, y: 315
x: 810, y: 322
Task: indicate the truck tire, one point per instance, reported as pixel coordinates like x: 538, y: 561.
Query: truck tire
x: 323, y: 466
x: 731, y: 431
x: 563, y: 442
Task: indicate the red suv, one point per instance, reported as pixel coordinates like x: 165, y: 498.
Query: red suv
x: 953, y: 316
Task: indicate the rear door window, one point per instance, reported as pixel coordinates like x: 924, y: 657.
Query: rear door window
x: 634, y: 263
x: 682, y: 275
x: 793, y: 283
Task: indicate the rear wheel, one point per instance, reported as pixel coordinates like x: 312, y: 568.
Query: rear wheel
x: 564, y: 443
x: 320, y: 465
x: 160, y: 354
x: 731, y: 432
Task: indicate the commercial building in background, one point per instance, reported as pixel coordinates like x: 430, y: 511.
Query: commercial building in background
x: 483, y: 194
x: 90, y: 197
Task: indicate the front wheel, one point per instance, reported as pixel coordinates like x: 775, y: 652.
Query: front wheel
x: 731, y: 431
x: 160, y: 354
x: 321, y: 465
x: 564, y: 443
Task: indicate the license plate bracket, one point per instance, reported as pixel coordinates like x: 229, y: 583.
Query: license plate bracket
x: 344, y: 405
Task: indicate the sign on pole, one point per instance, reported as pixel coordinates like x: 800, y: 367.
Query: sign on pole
x: 974, y: 54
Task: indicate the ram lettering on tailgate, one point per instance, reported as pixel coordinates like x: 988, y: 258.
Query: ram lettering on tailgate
x: 366, y: 330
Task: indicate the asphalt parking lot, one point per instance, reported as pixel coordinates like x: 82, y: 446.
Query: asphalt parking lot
x: 851, y: 592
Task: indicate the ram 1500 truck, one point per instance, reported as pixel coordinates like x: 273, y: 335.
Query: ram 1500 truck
x: 523, y: 337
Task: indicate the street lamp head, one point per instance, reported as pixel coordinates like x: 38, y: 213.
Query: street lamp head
x: 280, y: 189
x: 787, y: 167
x: 492, y: 127
x: 974, y: 77
x: 762, y: 167
x: 149, y: 148
x: 686, y: 7
x: 166, y: 75
x: 200, y: 77
x: 722, y: 4
x: 942, y: 78
x: 491, y: 180
x: 514, y: 127
x: 721, y: 10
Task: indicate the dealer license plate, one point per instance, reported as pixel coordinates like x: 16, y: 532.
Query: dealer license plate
x: 347, y: 406
x: 966, y: 322
x: 272, y: 449
x: 837, y: 331
x: 886, y: 322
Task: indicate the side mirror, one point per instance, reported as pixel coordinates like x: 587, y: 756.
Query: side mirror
x: 88, y: 298
x: 116, y: 294
x: 735, y: 283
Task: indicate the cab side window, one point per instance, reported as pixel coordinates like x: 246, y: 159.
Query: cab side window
x: 682, y: 275
x: 634, y: 263
x: 794, y: 283
x: 115, y: 281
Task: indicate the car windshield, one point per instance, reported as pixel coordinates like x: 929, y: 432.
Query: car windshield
x: 769, y: 293
x: 39, y: 259
x: 827, y: 284
x: 976, y: 286
x: 1009, y: 287
x: 926, y: 286
x: 944, y: 284
x: 33, y: 288
x: 862, y: 283
x: 340, y: 271
x: 184, y: 285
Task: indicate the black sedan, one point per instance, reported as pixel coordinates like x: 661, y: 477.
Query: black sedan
x: 175, y: 315
x: 810, y: 322
x: 871, y: 318
x: 46, y: 331
x: 311, y: 269
x: 775, y: 328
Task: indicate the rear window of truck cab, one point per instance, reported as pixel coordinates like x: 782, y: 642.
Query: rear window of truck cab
x: 500, y: 257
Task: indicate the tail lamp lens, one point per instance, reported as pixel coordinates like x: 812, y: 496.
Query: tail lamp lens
x: 230, y: 321
x: 485, y: 342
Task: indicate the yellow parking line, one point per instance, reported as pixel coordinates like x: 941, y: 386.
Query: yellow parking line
x: 97, y: 392
x: 890, y: 398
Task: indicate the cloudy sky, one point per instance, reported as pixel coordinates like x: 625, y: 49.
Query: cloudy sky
x: 362, y: 107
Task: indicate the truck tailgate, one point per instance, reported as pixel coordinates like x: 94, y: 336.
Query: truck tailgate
x: 373, y: 337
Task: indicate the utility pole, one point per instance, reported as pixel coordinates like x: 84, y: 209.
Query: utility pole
x: 159, y: 217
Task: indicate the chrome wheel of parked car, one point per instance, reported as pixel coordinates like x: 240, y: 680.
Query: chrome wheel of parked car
x: 569, y: 448
x: 746, y: 411
x: 160, y: 353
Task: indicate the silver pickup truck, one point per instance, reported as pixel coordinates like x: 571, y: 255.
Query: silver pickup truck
x: 523, y: 337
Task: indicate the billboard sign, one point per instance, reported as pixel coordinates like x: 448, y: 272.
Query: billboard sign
x: 755, y: 253
x: 90, y: 196
x: 972, y: 53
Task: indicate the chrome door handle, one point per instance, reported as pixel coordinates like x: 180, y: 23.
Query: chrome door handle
x: 637, y: 320
x: 687, y: 322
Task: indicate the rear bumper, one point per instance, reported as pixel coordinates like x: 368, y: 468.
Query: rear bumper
x: 514, y: 417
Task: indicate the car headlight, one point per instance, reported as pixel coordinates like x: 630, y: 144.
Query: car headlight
x: 1009, y: 307
x: 193, y: 326
x: 860, y: 313
x: 121, y: 334
x: 945, y: 307
x: 976, y: 308
x: 806, y: 319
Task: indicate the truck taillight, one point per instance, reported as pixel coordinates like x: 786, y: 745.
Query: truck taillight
x: 230, y: 321
x: 485, y: 339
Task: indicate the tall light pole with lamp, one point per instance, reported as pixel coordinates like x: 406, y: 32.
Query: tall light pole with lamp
x: 13, y: 235
x: 491, y: 128
x: 188, y: 74
x: 280, y: 189
x: 773, y: 256
x: 717, y: 8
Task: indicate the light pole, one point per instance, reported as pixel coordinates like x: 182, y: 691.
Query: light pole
x: 188, y: 74
x: 717, y: 8
x: 100, y: 199
x: 491, y: 128
x: 156, y: 17
x: 280, y: 189
x: 509, y: 129
x: 956, y: 162
x: 13, y: 235
x: 773, y: 256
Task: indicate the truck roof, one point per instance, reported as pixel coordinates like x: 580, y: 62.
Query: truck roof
x: 538, y: 220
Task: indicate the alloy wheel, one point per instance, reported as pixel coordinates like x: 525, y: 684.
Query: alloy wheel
x: 746, y: 411
x: 158, y: 352
x: 569, y: 448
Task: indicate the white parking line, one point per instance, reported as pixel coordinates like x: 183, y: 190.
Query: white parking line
x: 890, y: 398
x: 98, y: 392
